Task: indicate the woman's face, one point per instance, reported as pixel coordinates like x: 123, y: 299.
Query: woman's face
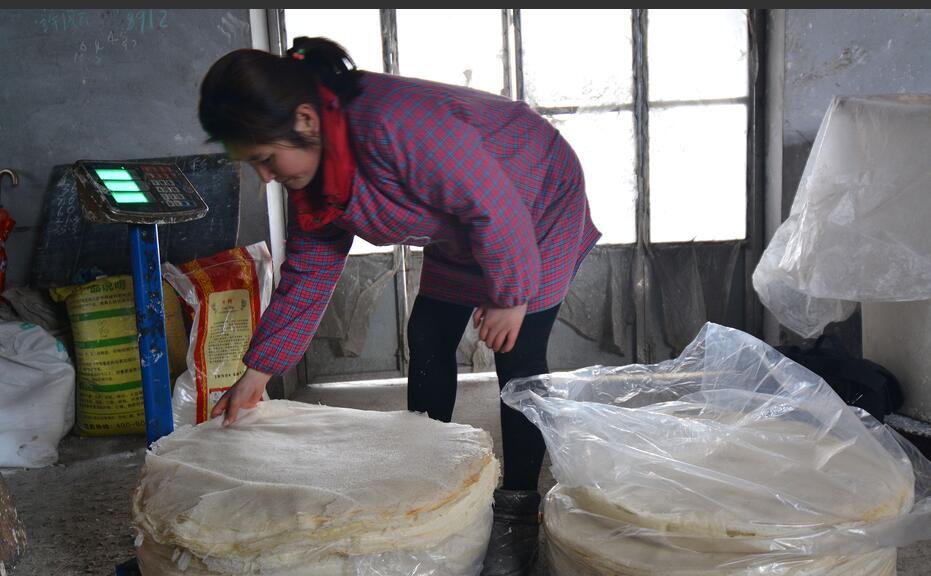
x: 293, y: 166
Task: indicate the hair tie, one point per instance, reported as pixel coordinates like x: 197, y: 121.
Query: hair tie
x: 298, y: 54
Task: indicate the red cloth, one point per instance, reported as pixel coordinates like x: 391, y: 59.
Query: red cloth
x: 327, y: 195
x: 6, y: 226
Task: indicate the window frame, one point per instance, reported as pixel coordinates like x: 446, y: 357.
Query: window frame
x: 752, y: 243
x: 641, y: 106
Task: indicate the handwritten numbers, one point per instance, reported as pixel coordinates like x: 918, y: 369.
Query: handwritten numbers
x: 79, y: 55
x: 63, y: 21
x: 131, y: 19
x: 135, y: 21
x: 142, y: 20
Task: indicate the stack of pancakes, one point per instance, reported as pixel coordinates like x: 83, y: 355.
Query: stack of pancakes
x: 293, y: 488
x: 736, y: 496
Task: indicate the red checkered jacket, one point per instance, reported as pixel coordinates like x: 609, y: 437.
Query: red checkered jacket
x: 490, y: 189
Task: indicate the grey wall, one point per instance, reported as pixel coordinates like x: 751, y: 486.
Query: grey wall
x: 105, y: 84
x: 817, y: 54
x: 833, y: 52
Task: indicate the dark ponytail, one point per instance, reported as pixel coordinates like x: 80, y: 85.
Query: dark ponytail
x: 250, y: 96
x: 329, y: 62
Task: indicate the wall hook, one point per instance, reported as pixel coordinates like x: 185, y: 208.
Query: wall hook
x: 13, y: 178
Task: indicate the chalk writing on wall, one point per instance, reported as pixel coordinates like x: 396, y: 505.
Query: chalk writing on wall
x: 128, y: 21
x: 93, y: 50
x: 53, y: 21
x: 142, y: 20
x: 125, y: 26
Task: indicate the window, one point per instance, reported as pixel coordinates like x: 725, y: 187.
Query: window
x: 583, y: 83
x: 662, y: 91
x: 461, y: 47
x: 358, y: 30
x: 698, y: 97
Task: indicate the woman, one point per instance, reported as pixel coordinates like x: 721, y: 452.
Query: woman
x: 490, y: 189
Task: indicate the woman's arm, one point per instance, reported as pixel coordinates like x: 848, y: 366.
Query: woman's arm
x: 308, y: 277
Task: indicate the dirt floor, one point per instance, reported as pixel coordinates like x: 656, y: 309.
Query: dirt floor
x: 77, y: 512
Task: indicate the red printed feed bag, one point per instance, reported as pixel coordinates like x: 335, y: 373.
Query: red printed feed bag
x: 226, y: 294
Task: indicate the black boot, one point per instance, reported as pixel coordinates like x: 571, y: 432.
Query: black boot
x: 512, y: 550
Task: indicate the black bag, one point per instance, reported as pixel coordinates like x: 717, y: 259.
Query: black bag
x: 859, y: 382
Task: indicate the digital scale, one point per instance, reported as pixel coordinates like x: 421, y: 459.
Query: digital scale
x: 143, y: 195
x: 136, y: 193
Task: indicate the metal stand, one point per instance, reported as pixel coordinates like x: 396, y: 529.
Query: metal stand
x: 153, y: 345
x: 150, y: 323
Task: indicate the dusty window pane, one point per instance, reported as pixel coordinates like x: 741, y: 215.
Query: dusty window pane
x: 576, y: 57
x: 358, y: 30
x: 461, y: 47
x: 604, y: 143
x: 697, y: 54
x: 698, y: 173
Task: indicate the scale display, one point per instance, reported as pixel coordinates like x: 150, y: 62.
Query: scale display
x: 136, y: 192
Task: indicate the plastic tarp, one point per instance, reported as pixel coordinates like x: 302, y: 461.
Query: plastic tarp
x: 730, y: 459
x: 857, y: 230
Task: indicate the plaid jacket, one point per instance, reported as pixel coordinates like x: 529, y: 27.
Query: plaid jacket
x: 490, y: 189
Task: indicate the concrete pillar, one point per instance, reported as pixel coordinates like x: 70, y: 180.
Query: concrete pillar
x: 897, y: 335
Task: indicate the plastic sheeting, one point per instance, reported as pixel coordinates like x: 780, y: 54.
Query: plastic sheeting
x: 731, y: 453
x: 36, y: 307
x: 857, y: 230
x: 353, y: 303
x: 295, y: 488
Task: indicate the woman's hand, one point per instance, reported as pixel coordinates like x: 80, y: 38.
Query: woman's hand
x: 245, y: 393
x: 499, y: 326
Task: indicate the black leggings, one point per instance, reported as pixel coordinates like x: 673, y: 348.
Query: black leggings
x: 434, y: 331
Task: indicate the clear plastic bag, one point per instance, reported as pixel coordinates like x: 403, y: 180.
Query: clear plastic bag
x: 732, y: 450
x: 857, y: 230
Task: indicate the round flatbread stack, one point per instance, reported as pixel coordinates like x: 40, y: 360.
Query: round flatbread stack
x: 294, y: 488
x: 717, y: 503
x: 583, y: 543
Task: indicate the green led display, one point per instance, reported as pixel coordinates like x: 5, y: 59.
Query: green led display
x: 106, y: 174
x: 130, y: 198
x: 121, y: 185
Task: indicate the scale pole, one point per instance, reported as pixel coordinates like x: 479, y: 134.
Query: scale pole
x: 150, y: 324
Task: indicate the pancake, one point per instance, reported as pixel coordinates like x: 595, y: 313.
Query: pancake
x: 697, y: 468
x: 290, y: 485
x: 582, y: 543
